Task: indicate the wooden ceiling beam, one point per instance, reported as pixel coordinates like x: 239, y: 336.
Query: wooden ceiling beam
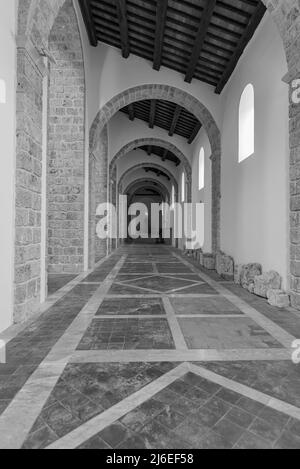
x: 131, y: 112
x: 165, y: 155
x: 175, y: 120
x: 248, y: 34
x: 194, y: 133
x: 152, y: 113
x: 85, y: 6
x: 122, y: 18
x: 200, y: 38
x: 161, y: 17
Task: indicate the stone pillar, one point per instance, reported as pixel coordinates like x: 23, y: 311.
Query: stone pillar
x: 294, y: 200
x: 30, y: 72
x: 101, y: 188
x: 216, y: 201
x: 66, y: 146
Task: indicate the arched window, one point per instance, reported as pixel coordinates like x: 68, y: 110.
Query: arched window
x: 183, y: 187
x: 246, y: 123
x: 201, y: 169
x: 2, y: 92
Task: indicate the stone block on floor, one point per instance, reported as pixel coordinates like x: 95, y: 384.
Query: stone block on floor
x: 209, y: 261
x: 268, y: 281
x: 248, y: 274
x: 225, y: 265
x: 238, y: 269
x: 278, y: 298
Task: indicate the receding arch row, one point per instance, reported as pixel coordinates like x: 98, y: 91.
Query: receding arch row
x: 193, y: 105
x: 121, y: 188
x: 149, y: 182
x: 155, y: 142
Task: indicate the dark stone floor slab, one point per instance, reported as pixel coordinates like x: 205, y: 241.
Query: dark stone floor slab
x: 223, y: 333
x: 175, y: 268
x: 58, y: 281
x: 128, y: 334
x: 277, y: 379
x: 131, y: 306
x: 85, y: 391
x: 174, y: 418
x: 213, y: 306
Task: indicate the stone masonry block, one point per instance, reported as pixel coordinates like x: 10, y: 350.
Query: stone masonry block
x: 278, y: 298
x: 268, y: 281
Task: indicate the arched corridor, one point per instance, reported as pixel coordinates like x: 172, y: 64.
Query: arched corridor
x: 150, y: 251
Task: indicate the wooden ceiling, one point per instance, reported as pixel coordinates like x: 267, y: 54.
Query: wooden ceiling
x: 157, y: 171
x: 166, y: 115
x: 162, y: 153
x: 202, y: 39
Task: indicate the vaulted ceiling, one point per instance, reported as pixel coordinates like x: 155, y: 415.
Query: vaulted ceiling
x: 202, y: 39
x: 166, y: 115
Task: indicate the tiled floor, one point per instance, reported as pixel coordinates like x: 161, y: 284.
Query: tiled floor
x: 150, y: 351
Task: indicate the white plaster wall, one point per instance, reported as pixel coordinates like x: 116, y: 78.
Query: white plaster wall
x: 255, y: 192
x: 205, y: 195
x: 122, y: 131
x: 7, y: 174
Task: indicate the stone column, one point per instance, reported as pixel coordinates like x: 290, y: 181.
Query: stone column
x: 30, y: 73
x: 101, y: 187
x: 216, y: 201
x: 294, y: 125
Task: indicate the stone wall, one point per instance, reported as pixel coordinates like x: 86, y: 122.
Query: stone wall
x: 66, y: 140
x: 286, y: 14
x: 98, y: 193
x: 28, y: 185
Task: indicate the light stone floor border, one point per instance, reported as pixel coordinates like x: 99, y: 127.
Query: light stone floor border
x: 163, y: 316
x: 94, y: 426
x: 171, y: 355
x: 273, y: 329
x: 176, y: 331
x: 19, y: 417
x: 13, y: 331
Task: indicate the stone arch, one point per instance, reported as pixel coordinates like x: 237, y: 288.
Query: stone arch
x: 144, y: 165
x: 156, y: 142
x: 37, y: 24
x: 164, y: 190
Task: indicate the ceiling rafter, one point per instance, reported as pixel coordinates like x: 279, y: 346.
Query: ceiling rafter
x: 200, y: 38
x: 248, y: 34
x: 166, y: 115
x: 152, y: 113
x: 161, y: 18
x: 195, y: 133
x: 122, y: 17
x: 85, y: 6
x: 175, y: 120
x: 131, y: 112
